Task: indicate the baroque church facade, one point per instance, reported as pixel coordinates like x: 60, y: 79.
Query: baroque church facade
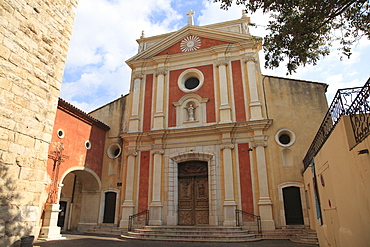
x: 201, y: 134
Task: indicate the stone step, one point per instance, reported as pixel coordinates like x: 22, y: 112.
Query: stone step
x: 302, y: 241
x: 195, y: 233
x: 107, y: 230
x: 308, y: 236
x: 193, y: 228
x: 189, y: 240
x: 205, y: 234
x: 192, y: 236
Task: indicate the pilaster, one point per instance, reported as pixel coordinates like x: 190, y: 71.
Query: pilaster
x: 135, y: 117
x: 156, y: 204
x: 128, y: 203
x: 225, y: 109
x: 264, y: 201
x: 158, y: 122
x: 255, y: 105
x: 229, y: 204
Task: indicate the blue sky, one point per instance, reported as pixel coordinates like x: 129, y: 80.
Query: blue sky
x: 105, y: 32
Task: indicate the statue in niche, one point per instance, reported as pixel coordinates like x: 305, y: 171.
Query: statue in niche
x: 191, y: 112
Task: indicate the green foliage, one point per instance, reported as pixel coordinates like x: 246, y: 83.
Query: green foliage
x: 302, y: 31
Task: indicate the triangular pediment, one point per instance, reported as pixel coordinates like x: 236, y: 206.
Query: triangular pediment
x: 211, y: 35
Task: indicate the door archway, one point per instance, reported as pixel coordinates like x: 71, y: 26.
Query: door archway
x: 193, y: 193
x: 283, y: 199
x: 110, y: 199
x: 81, y: 192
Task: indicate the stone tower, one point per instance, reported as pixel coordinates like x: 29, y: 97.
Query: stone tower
x: 34, y: 39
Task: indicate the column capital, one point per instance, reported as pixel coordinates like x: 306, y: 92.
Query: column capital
x: 229, y: 146
x: 158, y: 151
x: 259, y: 143
x: 220, y: 62
x: 137, y: 76
x: 161, y: 71
x: 134, y: 154
x: 250, y: 59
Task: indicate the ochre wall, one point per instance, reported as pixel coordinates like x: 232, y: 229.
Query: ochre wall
x: 300, y: 107
x: 343, y: 181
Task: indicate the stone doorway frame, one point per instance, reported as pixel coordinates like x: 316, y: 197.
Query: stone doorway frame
x: 303, y: 201
x: 172, y: 185
x: 102, y: 204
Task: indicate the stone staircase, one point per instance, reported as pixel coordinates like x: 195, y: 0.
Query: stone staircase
x: 203, y: 234
x: 308, y: 236
x: 107, y: 229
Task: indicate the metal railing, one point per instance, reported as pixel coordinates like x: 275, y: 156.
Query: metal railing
x: 359, y: 113
x: 251, y: 221
x: 138, y: 219
x: 341, y: 103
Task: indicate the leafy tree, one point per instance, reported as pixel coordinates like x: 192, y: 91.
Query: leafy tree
x: 303, y: 30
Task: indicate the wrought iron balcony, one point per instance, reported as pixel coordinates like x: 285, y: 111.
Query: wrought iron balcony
x: 349, y: 101
x: 359, y: 113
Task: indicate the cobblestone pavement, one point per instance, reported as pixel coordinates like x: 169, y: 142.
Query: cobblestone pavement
x: 80, y: 240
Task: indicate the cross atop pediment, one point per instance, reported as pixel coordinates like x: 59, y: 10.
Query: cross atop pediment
x: 190, y: 17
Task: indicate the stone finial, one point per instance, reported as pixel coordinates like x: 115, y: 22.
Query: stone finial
x: 142, y: 35
x: 190, y: 17
x: 244, y: 13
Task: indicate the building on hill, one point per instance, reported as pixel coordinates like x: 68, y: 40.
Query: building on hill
x: 336, y: 174
x: 202, y: 133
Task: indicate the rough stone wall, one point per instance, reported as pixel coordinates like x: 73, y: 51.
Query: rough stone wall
x: 34, y: 39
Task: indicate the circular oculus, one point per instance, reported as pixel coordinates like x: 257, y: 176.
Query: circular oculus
x: 190, y: 43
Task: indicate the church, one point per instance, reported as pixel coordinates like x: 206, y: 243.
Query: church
x: 201, y: 135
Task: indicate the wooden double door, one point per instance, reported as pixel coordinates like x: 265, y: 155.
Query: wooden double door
x: 193, y: 193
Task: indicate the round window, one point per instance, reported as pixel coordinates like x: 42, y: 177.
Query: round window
x: 191, y: 83
x: 285, y: 137
x: 87, y: 144
x: 190, y: 80
x: 60, y: 133
x: 114, y: 151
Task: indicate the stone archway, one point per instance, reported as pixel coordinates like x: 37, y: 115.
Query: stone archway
x: 80, y: 192
x: 172, y: 185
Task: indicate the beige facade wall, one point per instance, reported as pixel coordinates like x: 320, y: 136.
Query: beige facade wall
x: 113, y: 115
x: 296, y: 107
x: 34, y: 38
x: 343, y: 180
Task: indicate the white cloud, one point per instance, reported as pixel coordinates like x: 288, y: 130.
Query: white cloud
x: 104, y: 38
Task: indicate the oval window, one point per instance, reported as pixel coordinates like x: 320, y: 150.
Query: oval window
x: 191, y: 83
x: 87, y: 144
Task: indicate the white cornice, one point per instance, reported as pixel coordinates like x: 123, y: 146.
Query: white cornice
x: 202, y: 56
x: 204, y: 32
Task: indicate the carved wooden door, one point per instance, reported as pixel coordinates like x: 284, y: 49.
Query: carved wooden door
x: 193, y: 194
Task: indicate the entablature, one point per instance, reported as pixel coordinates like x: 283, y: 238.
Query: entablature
x: 214, y: 134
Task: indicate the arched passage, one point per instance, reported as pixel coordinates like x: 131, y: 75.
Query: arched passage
x: 80, y: 199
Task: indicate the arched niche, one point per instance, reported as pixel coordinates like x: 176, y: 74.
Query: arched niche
x: 191, y: 110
